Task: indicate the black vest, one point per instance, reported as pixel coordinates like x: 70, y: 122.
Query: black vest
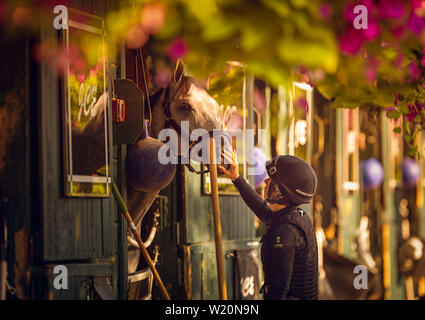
x: 304, y: 281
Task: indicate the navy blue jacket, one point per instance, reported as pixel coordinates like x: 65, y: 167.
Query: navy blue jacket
x: 289, y: 249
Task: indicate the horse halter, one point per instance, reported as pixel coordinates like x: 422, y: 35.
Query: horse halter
x: 171, y: 123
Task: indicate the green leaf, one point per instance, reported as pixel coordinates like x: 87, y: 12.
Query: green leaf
x: 394, y: 114
x: 389, y: 53
x: 404, y: 109
x: 337, y: 103
x: 397, y: 130
x: 218, y: 29
x: 300, y: 3
x: 417, y: 119
x: 407, y: 127
x: 278, y: 6
x: 252, y: 36
x: 329, y: 88
x: 298, y: 51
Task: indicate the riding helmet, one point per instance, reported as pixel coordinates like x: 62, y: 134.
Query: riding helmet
x: 293, y: 177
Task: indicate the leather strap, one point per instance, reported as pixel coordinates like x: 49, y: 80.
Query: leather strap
x: 171, y: 123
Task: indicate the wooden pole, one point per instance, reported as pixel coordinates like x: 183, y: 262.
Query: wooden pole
x: 217, y: 224
x: 139, y: 240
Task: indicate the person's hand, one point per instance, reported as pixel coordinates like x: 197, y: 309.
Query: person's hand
x: 232, y: 158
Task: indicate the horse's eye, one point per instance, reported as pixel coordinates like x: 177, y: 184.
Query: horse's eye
x: 186, y: 107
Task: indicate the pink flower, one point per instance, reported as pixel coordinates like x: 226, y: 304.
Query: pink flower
x: 389, y: 109
x: 162, y: 77
x: 371, y: 74
x: 423, y: 61
x: 415, y: 23
x: 349, y: 14
x: 397, y: 31
x: 302, y: 103
x: 372, y: 31
x: 390, y: 9
x: 412, y: 113
x: 396, y: 99
x: 371, y: 70
x: 177, y: 49
x: 153, y: 17
x: 326, y: 11
x: 398, y: 62
x: 136, y: 37
x: 93, y: 71
x: 414, y: 110
x: 416, y: 4
x: 351, y: 42
x: 414, y: 70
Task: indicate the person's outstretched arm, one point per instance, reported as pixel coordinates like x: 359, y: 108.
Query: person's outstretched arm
x: 253, y: 200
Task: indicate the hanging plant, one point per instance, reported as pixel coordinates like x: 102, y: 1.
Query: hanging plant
x: 381, y: 66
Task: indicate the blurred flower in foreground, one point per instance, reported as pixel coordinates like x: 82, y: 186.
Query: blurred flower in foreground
x: 349, y: 14
x: 302, y: 103
x: 22, y: 16
x: 136, y: 37
x: 397, y: 31
x: 351, y: 42
x: 46, y: 51
x: 177, y: 49
x: 75, y: 59
x: 3, y: 10
x: 316, y: 76
x: 153, y: 17
x: 390, y: 9
x: 398, y: 62
x: 162, y: 77
x: 58, y: 58
x: 414, y: 70
x: 371, y: 73
x: 373, y: 30
x: 325, y: 11
x: 418, y: 7
x: 415, y: 23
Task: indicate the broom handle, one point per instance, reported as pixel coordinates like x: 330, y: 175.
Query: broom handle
x: 143, y: 250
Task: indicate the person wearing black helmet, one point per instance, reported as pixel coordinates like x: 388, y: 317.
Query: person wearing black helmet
x: 289, y: 249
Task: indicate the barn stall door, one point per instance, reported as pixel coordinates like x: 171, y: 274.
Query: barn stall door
x: 78, y: 232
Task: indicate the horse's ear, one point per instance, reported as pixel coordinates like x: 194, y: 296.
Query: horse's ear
x: 179, y: 71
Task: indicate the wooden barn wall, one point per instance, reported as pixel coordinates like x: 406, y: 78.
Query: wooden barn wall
x: 18, y: 148
x: 237, y: 220
x: 73, y: 228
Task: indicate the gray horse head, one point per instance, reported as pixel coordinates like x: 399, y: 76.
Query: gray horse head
x: 187, y: 102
